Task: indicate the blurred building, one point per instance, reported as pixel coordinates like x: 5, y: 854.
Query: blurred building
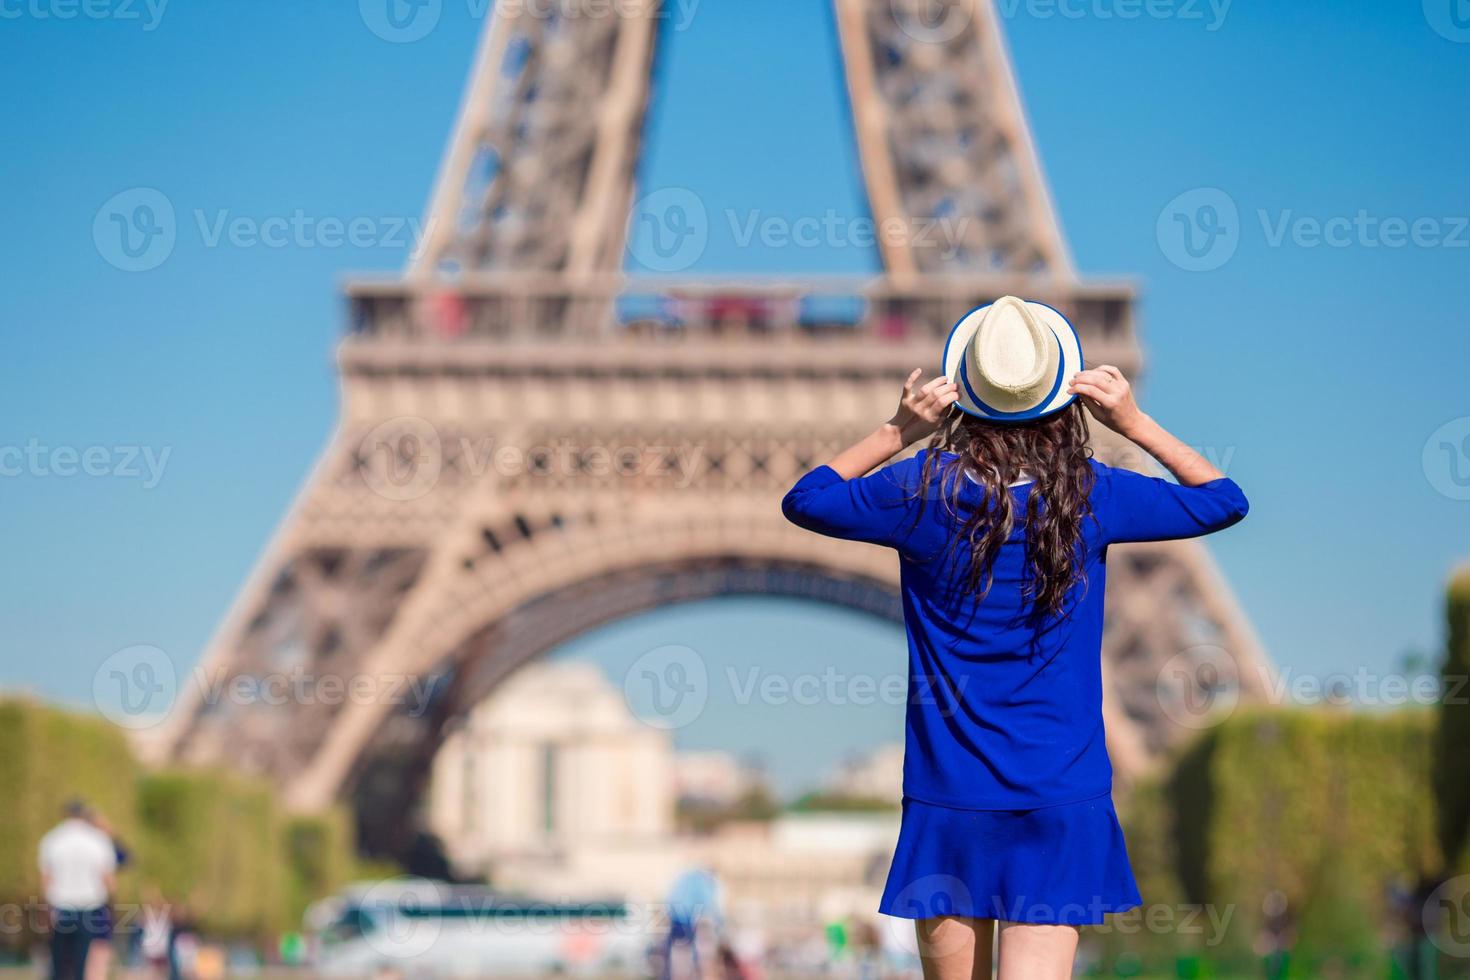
x: 792, y: 874
x: 877, y: 775
x: 549, y: 773
x: 713, y: 778
x: 552, y: 787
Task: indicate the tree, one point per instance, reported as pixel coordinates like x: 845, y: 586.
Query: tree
x: 1452, y: 741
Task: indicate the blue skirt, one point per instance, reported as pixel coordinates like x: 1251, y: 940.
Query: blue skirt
x: 1059, y: 865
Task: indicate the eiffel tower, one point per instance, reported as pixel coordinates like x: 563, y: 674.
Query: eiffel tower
x: 517, y: 412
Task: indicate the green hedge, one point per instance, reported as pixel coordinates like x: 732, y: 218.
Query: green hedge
x: 1265, y: 799
x: 319, y: 858
x: 1325, y: 806
x: 48, y: 756
x: 216, y: 844
x: 213, y: 843
x: 219, y: 845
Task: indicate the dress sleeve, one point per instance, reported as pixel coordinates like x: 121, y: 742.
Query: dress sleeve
x: 877, y: 508
x: 1144, y: 508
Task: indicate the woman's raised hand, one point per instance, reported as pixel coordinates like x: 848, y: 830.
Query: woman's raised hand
x: 920, y: 410
x: 1109, y: 397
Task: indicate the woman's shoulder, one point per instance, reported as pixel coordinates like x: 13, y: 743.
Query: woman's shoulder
x: 906, y: 474
x: 910, y: 472
x: 1107, y: 477
x: 940, y: 458
x: 1110, y: 483
x: 911, y: 468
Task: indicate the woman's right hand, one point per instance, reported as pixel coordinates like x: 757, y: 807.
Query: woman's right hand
x: 920, y: 410
x: 1109, y: 398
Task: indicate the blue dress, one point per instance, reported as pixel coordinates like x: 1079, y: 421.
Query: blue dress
x: 1007, y: 809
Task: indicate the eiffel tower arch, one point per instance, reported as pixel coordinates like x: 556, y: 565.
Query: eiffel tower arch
x: 533, y: 442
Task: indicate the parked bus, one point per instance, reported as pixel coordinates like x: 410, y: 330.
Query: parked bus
x: 418, y: 928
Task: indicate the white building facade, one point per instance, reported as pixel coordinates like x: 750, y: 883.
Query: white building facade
x: 553, y: 788
x: 550, y: 764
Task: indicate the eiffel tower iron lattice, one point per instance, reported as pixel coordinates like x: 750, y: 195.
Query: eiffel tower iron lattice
x: 533, y: 443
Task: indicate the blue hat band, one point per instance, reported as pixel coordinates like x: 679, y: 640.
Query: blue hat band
x: 1025, y: 413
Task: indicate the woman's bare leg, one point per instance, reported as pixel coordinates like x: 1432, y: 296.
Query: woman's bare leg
x: 1030, y: 952
x: 952, y: 947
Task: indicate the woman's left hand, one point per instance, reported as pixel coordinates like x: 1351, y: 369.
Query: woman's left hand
x: 920, y: 410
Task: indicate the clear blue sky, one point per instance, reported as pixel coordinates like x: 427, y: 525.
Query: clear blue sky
x: 1322, y: 370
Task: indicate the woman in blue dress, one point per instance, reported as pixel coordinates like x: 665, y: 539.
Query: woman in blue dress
x: 1002, y: 526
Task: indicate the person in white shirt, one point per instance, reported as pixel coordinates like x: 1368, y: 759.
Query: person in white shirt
x: 78, y: 862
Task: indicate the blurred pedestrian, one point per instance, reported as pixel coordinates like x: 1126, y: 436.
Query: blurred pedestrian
x: 99, y: 948
x: 184, y: 944
x: 155, y: 935
x: 748, y: 944
x: 731, y: 968
x: 78, y: 863
x: 694, y: 917
x: 866, y: 946
x: 835, y: 931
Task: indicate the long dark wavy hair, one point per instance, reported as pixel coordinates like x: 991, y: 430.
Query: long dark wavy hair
x: 1052, y: 452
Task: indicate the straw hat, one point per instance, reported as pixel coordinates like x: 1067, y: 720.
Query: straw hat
x: 1012, y: 360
